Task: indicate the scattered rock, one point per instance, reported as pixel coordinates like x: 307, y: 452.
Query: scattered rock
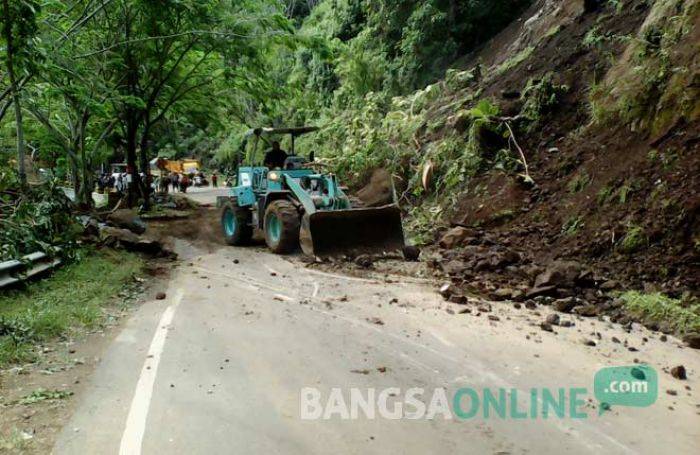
x: 466, y: 311
x: 493, y: 317
x: 458, y: 299
x: 615, y: 339
x: 381, y: 369
x: 502, y: 294
x: 609, y: 285
x: 365, y: 371
x: 410, y: 252
x: 692, y: 340
x: 566, y: 324
x: 671, y: 392
x: 448, y: 289
x: 565, y: 305
x: 160, y: 296
x: 559, y: 274
x: 454, y: 237
x: 546, y: 326
x: 375, y: 320
x: 552, y: 319
x: 588, y: 342
x: 587, y: 310
x: 364, y: 261
x: 540, y: 291
x: 678, y: 372
x: 454, y: 267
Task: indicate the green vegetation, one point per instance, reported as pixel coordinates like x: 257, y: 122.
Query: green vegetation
x: 579, y: 182
x: 37, y: 219
x: 679, y: 316
x: 626, y: 189
x: 540, y: 97
x: 572, y: 226
x: 633, y: 240
x: 84, y: 84
x: 14, y: 442
x: 605, y: 194
x: 75, y: 296
x: 40, y: 395
x: 651, y: 86
x: 514, y: 61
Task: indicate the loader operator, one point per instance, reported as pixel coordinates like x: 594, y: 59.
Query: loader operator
x: 275, y: 157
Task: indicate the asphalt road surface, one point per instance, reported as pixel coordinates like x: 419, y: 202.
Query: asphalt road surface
x: 218, y: 367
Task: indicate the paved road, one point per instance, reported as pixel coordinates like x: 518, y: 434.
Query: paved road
x: 206, y: 195
x: 218, y: 368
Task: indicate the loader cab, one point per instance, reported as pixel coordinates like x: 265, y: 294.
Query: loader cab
x: 254, y: 175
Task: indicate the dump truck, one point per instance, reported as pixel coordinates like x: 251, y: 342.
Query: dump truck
x: 296, y: 205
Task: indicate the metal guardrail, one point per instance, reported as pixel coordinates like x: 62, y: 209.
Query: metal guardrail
x: 12, y: 272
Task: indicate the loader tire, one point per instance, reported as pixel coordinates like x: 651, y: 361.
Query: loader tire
x: 281, y: 227
x: 235, y: 223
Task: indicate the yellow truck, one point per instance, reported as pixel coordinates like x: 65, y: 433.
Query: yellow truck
x: 183, y: 166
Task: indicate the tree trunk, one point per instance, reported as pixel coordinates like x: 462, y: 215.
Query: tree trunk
x: 145, y: 165
x: 143, y: 148
x: 75, y: 175
x: 132, y: 168
x: 85, y: 198
x: 15, y: 93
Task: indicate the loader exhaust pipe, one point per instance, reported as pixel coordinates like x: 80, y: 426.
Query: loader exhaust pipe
x: 352, y: 231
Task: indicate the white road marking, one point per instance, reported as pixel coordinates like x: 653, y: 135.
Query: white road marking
x: 132, y: 438
x: 342, y: 277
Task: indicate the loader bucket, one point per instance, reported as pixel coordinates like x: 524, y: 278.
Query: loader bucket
x: 356, y: 231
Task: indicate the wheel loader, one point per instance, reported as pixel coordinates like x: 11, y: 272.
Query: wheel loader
x: 297, y: 205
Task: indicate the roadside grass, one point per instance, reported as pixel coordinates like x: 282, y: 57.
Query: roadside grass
x: 72, y: 298
x: 656, y: 307
x: 14, y: 442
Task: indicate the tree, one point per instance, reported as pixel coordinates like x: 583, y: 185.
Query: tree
x: 18, y: 26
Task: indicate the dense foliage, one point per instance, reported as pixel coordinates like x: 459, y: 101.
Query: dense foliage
x: 34, y: 220
x: 86, y: 83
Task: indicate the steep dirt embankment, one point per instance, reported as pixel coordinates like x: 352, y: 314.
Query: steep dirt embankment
x: 604, y: 99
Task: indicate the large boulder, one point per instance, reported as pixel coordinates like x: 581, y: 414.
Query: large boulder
x: 454, y: 267
x: 379, y: 191
x: 127, y: 219
x: 560, y: 274
x: 692, y: 340
x: 454, y: 237
x: 123, y: 238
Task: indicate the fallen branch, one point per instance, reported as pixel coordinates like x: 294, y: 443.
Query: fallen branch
x: 520, y: 151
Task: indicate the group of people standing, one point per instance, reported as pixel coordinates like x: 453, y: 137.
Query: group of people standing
x: 180, y: 182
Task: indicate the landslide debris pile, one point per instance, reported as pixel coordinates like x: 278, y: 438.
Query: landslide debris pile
x: 556, y: 164
x: 572, y: 135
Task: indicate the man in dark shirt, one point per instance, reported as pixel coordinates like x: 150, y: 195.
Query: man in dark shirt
x: 275, y: 157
